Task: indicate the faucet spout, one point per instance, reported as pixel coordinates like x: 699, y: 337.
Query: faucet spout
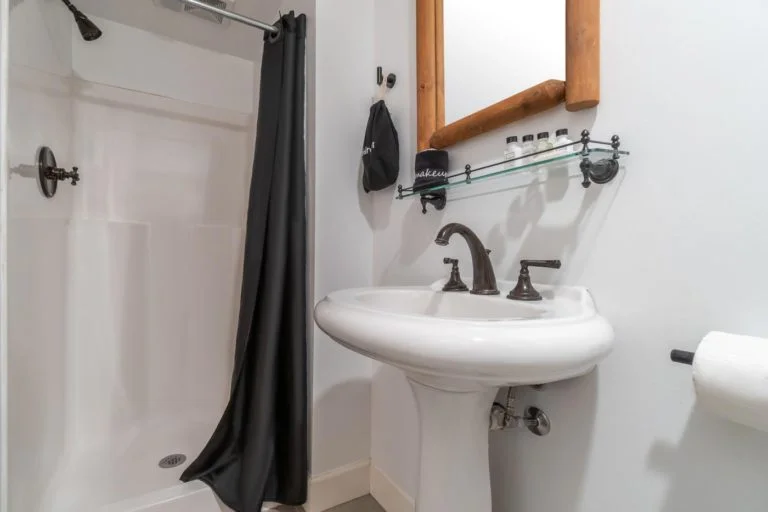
x: 484, y: 279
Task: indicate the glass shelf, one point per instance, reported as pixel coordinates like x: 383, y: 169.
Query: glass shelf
x: 463, y: 179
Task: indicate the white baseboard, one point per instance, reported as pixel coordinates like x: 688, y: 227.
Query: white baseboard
x: 391, y: 497
x: 341, y: 485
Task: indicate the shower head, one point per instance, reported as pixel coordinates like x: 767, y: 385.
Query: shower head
x: 88, y: 29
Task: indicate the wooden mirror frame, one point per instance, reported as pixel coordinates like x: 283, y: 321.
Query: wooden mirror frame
x: 580, y: 90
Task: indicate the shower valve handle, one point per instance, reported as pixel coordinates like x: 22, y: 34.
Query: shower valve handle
x: 74, y: 176
x: 55, y: 173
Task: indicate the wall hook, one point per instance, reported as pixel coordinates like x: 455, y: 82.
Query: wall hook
x: 391, y: 78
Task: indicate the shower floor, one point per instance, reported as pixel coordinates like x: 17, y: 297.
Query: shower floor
x: 123, y: 475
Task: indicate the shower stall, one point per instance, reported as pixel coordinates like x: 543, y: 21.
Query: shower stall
x: 122, y: 291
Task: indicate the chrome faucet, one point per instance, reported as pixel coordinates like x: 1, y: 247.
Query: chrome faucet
x: 483, y: 278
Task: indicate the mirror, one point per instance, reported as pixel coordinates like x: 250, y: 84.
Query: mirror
x: 496, y: 47
x: 487, y: 63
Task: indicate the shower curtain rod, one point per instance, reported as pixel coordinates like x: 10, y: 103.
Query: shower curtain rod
x: 231, y: 15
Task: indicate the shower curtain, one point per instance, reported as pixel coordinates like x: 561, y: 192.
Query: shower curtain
x: 259, y: 450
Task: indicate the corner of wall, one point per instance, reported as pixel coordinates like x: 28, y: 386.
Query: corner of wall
x: 41, y: 35
x: 388, y: 494
x: 4, y: 82
x: 341, y: 485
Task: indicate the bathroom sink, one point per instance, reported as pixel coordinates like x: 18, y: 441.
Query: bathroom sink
x: 457, y: 349
x: 470, y: 340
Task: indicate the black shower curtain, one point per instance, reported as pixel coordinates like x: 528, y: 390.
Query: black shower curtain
x: 259, y: 451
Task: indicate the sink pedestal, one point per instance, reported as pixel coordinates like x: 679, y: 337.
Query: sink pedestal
x: 453, y: 427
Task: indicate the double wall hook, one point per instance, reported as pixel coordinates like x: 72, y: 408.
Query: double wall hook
x: 391, y: 78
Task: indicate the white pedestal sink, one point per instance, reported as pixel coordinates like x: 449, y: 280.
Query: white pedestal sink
x: 457, y: 349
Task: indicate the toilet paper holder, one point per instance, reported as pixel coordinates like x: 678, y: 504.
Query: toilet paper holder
x: 682, y: 356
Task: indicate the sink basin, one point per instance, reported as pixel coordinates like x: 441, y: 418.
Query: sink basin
x: 471, y: 340
x: 457, y: 349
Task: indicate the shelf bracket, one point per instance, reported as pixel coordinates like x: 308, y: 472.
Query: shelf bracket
x: 600, y: 172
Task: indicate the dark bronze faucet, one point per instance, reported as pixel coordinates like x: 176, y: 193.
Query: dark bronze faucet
x: 484, y: 280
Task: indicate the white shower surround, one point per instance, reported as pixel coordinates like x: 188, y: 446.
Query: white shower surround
x: 124, y: 290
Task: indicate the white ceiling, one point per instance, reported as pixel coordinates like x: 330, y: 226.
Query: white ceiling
x: 234, y: 39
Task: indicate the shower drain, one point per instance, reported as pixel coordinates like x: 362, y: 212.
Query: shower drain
x: 171, y: 461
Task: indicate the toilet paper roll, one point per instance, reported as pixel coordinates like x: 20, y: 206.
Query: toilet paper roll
x: 730, y: 374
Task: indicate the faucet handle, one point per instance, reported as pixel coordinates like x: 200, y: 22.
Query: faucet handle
x: 524, y: 264
x: 524, y: 289
x: 454, y: 284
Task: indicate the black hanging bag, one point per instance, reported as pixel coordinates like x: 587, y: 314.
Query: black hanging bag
x: 381, y: 150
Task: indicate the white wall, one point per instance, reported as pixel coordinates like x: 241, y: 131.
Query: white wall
x: 671, y: 249
x: 344, y: 85
x: 394, y: 438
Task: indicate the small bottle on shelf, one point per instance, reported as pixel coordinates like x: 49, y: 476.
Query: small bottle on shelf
x: 514, y: 149
x: 528, y: 147
x: 561, y: 139
x: 542, y: 144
